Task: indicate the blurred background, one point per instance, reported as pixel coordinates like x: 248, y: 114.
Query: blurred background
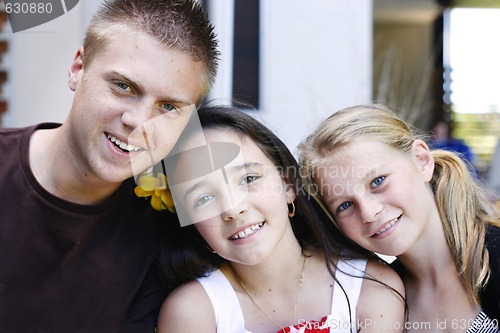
x: 291, y: 63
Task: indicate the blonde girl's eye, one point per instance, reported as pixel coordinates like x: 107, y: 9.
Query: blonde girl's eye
x: 204, y: 199
x: 344, y: 206
x: 377, y: 181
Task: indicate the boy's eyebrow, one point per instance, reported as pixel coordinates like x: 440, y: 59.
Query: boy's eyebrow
x: 123, y: 77
x: 138, y: 87
x: 115, y: 75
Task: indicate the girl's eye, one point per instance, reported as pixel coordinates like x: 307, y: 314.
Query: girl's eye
x: 203, y: 200
x: 377, y: 181
x: 168, y: 107
x: 344, y: 206
x: 249, y: 179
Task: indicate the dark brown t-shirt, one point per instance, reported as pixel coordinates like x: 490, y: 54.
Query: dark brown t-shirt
x: 66, y: 267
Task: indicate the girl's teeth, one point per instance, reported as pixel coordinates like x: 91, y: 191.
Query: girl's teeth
x: 385, y: 228
x: 247, y: 232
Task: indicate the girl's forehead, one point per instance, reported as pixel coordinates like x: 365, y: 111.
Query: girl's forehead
x: 221, y: 134
x: 229, y: 135
x: 359, y: 148
x: 360, y: 156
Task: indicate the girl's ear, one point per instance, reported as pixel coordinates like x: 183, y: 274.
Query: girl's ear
x: 289, y: 191
x: 424, y: 159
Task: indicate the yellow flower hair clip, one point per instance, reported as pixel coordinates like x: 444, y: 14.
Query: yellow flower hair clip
x: 157, y: 189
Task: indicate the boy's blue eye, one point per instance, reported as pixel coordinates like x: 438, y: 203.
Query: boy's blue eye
x: 377, y: 181
x: 123, y: 86
x: 168, y: 106
x: 344, y: 206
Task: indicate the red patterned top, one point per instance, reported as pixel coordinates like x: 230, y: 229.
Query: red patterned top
x: 312, y: 326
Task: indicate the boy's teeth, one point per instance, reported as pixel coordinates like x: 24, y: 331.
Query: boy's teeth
x: 122, y: 145
x: 248, y: 231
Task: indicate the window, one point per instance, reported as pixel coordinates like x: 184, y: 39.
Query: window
x: 237, y: 24
x: 246, y: 52
x: 471, y: 54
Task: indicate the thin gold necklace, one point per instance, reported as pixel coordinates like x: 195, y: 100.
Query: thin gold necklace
x: 301, y: 281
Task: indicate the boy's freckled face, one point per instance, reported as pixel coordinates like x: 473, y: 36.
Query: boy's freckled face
x: 132, y: 80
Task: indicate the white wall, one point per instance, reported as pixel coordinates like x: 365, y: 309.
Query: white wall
x: 39, y: 59
x: 316, y: 57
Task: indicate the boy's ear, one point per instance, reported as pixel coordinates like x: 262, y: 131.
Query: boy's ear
x: 75, y: 71
x: 424, y: 159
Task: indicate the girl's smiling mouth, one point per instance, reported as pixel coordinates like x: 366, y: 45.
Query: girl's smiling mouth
x: 388, y: 226
x: 247, y: 231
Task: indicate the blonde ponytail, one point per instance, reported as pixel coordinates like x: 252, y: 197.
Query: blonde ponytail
x: 463, y: 209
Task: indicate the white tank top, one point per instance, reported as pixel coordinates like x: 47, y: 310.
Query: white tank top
x: 229, y: 317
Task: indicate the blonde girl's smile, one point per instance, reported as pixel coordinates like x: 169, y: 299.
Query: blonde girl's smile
x: 386, y: 229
